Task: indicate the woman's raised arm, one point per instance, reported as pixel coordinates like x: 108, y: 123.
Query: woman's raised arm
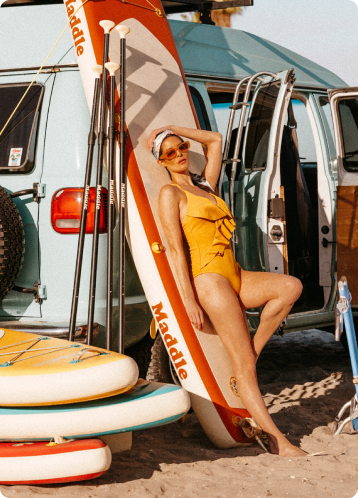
x: 211, y: 139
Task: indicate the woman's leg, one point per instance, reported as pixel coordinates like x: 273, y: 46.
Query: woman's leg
x: 277, y: 292
x: 218, y: 299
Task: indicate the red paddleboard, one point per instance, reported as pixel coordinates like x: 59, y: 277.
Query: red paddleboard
x: 48, y: 463
x: 157, y: 95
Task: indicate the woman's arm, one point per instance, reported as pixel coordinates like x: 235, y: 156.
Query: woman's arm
x: 211, y: 139
x: 169, y: 200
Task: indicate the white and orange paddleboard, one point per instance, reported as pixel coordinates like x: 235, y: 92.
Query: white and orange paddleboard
x: 157, y: 95
x: 50, y: 463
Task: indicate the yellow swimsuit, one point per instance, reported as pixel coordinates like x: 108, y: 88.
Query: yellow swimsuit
x: 208, y: 229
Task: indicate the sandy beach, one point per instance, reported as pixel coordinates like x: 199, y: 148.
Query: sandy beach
x: 305, y: 378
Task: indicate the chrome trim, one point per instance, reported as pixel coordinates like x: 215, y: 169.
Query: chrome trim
x: 45, y: 69
x: 237, y: 79
x: 38, y: 329
x: 207, y: 77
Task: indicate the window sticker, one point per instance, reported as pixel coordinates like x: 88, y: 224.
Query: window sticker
x: 15, y: 157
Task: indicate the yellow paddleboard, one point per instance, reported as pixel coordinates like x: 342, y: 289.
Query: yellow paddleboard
x: 37, y: 370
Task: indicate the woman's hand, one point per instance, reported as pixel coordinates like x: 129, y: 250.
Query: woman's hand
x: 195, y: 314
x: 154, y: 133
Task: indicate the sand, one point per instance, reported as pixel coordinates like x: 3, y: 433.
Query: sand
x: 305, y: 378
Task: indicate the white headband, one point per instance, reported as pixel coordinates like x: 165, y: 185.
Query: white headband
x: 158, y: 142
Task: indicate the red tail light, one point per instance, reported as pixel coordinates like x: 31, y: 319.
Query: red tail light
x: 66, y: 210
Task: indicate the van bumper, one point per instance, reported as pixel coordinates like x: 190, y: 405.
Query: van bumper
x: 137, y: 322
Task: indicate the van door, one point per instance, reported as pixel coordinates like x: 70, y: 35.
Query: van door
x: 258, y: 203
x: 344, y: 107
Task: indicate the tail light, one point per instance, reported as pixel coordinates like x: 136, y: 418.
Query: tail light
x: 67, y: 206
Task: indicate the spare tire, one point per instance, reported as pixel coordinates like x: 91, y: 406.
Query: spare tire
x: 12, y: 243
x: 159, y: 367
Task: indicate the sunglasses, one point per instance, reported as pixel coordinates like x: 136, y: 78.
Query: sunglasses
x: 170, y: 154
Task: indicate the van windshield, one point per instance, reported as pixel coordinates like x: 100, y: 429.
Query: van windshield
x: 17, y: 141
x: 348, y: 113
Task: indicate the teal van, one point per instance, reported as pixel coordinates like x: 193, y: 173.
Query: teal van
x: 282, y: 175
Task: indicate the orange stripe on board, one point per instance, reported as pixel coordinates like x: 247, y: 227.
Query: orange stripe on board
x: 15, y: 450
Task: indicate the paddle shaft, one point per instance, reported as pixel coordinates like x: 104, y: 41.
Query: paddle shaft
x: 86, y: 189
x: 122, y: 199
x: 101, y: 142
x: 111, y: 212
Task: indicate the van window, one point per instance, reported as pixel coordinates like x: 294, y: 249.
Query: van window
x: 304, y: 133
x: 18, y: 140
x: 348, y: 113
x: 221, y: 103
x: 326, y: 115
x: 259, y: 125
x: 200, y: 109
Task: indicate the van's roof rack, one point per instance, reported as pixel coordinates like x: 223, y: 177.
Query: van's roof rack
x: 170, y: 6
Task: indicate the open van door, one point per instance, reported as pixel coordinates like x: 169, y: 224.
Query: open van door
x: 259, y: 205
x: 344, y: 107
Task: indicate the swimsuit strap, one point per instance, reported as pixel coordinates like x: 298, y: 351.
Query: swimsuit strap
x: 176, y: 185
x: 196, y: 195
x: 180, y: 188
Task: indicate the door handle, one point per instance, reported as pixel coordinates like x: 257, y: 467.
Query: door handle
x: 325, y: 242
x: 276, y: 232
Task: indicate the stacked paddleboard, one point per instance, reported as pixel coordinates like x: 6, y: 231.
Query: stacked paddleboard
x: 58, y: 397
x: 38, y: 370
x: 49, y: 463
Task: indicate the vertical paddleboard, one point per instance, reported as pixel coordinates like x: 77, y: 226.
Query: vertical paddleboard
x: 157, y: 95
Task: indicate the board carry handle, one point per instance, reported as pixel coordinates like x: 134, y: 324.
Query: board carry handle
x: 79, y: 356
x: 112, y: 68
x: 123, y: 32
x: 97, y: 69
x: 107, y: 26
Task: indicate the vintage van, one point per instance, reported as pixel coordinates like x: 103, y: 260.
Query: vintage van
x: 292, y: 192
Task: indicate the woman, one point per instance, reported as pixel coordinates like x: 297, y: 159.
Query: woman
x: 215, y: 283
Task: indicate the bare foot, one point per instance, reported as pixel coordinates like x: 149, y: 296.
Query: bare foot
x: 284, y: 448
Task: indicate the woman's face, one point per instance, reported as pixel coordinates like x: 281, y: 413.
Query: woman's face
x: 180, y: 163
